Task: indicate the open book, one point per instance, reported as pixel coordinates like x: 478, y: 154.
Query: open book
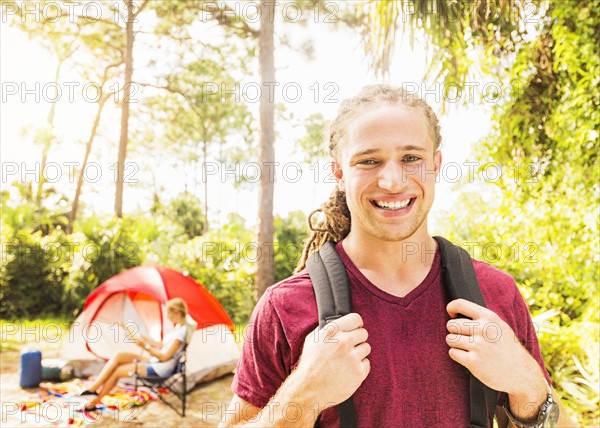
x: 132, y: 332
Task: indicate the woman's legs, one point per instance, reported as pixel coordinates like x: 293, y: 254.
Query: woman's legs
x: 111, y: 365
x: 123, y: 370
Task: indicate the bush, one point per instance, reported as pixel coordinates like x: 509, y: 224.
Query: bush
x: 32, y: 273
x: 103, y: 249
x: 223, y: 261
x: 290, y: 235
x: 185, y: 211
x: 63, y: 270
x: 550, y: 250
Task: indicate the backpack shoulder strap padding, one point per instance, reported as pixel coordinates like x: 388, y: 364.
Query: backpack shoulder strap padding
x: 459, y: 278
x: 458, y: 273
x: 332, y: 291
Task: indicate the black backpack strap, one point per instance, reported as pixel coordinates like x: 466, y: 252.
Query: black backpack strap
x: 460, y: 280
x: 332, y: 290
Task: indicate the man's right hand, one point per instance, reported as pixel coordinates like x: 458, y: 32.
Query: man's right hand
x: 334, y: 360
x: 332, y: 366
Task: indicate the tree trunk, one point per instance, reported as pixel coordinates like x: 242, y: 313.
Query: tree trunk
x: 265, y: 270
x: 48, y: 142
x: 86, y: 156
x: 205, y: 179
x: 120, y: 170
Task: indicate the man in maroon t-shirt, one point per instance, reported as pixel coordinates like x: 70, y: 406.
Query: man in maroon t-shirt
x: 403, y: 352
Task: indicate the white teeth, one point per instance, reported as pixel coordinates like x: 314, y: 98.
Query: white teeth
x: 392, y: 205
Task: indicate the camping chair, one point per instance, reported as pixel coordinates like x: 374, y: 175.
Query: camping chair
x: 157, y: 383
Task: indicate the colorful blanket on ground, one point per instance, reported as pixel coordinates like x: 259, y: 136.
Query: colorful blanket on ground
x: 56, y: 404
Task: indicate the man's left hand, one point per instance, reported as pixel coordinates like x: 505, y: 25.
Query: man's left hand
x: 489, y: 348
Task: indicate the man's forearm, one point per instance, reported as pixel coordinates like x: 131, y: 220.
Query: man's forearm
x: 526, y: 405
x: 564, y: 419
x: 292, y: 406
x: 528, y: 396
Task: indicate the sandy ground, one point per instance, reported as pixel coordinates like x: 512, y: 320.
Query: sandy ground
x: 206, y: 403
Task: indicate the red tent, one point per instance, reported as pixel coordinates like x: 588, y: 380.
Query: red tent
x: 138, y: 296
x: 161, y: 284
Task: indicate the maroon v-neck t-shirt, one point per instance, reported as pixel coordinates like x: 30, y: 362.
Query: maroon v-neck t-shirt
x: 413, y: 382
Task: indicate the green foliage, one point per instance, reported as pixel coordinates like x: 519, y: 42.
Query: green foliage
x: 314, y: 142
x: 24, y: 211
x: 190, y: 121
x: 290, y: 234
x: 54, y: 273
x: 46, y: 271
x: 34, y: 252
x: 223, y: 261
x: 101, y: 250
x: 199, y: 119
x: 186, y: 211
x: 577, y: 374
x: 540, y: 222
x: 196, y: 112
x: 554, y: 263
x: 468, y: 37
x: 31, y: 273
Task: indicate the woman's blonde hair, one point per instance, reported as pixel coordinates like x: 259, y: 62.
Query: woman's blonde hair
x: 334, y: 224
x: 177, y: 304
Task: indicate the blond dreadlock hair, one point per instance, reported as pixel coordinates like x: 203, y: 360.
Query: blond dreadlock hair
x: 335, y: 221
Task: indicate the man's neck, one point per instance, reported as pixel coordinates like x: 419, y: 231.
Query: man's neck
x: 396, y: 267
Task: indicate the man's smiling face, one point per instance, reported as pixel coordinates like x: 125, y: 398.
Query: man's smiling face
x: 387, y: 166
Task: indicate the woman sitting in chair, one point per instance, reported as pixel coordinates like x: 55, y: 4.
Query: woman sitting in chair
x: 160, y: 362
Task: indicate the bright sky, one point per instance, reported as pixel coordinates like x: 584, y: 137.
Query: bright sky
x: 338, y: 70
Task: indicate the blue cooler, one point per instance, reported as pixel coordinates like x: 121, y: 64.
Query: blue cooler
x: 31, y: 369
